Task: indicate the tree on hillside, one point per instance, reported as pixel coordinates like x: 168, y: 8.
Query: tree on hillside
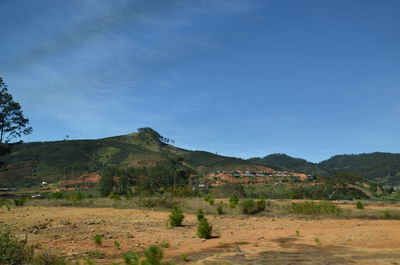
x: 13, y: 124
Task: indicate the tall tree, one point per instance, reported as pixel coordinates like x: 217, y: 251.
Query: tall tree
x: 13, y: 124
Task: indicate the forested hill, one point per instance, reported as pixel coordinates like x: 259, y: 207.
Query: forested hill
x: 31, y: 163
x: 288, y: 162
x: 380, y: 166
x: 372, y: 165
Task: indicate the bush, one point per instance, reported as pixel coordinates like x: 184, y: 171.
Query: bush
x: 220, y: 209
x: 131, y: 258
x: 46, y: 258
x: 360, y: 205
x: 233, y: 201
x: 200, y: 215
x: 114, y: 197
x: 12, y: 250
x: 261, y: 204
x: 19, y: 202
x: 248, y: 206
x: 313, y: 208
x: 209, y: 199
x: 176, y: 217
x: 98, y: 239
x: 154, y: 255
x: 58, y: 195
x: 204, y: 229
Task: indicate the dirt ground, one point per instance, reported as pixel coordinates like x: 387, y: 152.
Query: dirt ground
x: 238, y: 239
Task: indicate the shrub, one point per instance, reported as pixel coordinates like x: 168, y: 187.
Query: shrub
x: 58, y: 195
x: 46, y: 258
x: 98, y: 239
x: 12, y: 250
x: 209, y: 199
x: 154, y: 255
x: 204, y: 229
x: 200, y: 215
x: 261, y: 204
x: 248, y: 206
x: 313, y: 208
x: 233, y: 201
x: 176, y: 217
x: 164, y: 244
x: 131, y: 258
x: 19, y: 202
x: 359, y: 205
x: 220, y: 209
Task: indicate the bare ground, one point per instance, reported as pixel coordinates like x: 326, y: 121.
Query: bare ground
x: 238, y: 239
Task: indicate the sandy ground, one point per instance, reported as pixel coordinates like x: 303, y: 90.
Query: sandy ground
x: 238, y: 240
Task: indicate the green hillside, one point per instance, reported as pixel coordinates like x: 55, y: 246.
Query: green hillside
x: 382, y: 167
x: 31, y: 163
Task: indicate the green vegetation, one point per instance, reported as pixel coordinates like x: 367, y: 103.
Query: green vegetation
x: 359, y: 205
x: 176, y: 217
x: 98, y: 239
x: 200, y: 215
x: 12, y: 250
x: 313, y: 208
x: 204, y: 229
x: 250, y: 206
x: 209, y: 199
x: 233, y: 201
x: 220, y: 208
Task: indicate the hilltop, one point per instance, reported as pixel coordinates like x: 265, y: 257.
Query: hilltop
x: 31, y: 163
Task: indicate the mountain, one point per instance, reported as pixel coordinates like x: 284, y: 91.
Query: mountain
x: 31, y: 163
x: 384, y: 167
x: 373, y: 165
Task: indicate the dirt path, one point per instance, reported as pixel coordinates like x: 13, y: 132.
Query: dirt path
x: 241, y: 240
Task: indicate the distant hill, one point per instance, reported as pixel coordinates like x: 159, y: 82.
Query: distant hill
x: 291, y: 163
x: 373, y: 165
x: 383, y: 167
x: 31, y: 163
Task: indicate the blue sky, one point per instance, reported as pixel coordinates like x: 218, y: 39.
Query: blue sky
x: 242, y: 78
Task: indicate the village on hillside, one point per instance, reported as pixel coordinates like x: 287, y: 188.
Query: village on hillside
x: 262, y: 176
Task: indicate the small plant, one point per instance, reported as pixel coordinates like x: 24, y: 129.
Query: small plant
x: 117, y: 245
x: 297, y: 232
x: 233, y: 201
x: 46, y: 258
x: 220, y: 209
x: 98, y: 239
x: 200, y: 215
x: 204, y: 229
x: 185, y: 257
x: 164, y: 244
x: 209, y: 199
x: 317, y: 240
x: 176, y: 217
x: 131, y: 258
x: 359, y: 205
x: 154, y: 255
